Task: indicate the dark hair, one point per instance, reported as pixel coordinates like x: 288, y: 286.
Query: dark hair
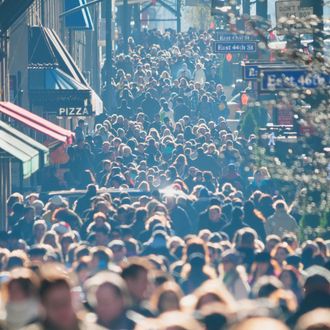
x: 134, y: 268
x: 53, y: 276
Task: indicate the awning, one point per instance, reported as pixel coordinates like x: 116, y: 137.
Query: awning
x: 43, y: 150
x: 21, y: 151
x: 35, y: 122
x: 80, y: 20
x: 55, y: 81
x: 10, y: 11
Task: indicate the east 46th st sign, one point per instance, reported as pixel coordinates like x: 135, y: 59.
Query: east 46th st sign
x: 276, y: 80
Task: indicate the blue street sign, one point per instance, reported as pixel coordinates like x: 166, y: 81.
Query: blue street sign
x: 234, y: 37
x: 235, y: 47
x: 251, y: 70
x: 288, y: 79
x: 80, y: 20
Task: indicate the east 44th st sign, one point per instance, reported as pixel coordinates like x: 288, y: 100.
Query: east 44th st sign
x: 235, y: 47
x: 234, y: 43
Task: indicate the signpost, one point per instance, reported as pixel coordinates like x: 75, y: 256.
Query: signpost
x: 235, y: 47
x: 235, y: 43
x: 291, y: 79
x: 251, y: 70
x: 292, y: 8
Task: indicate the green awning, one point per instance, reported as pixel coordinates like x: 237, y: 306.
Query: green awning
x: 43, y: 150
x: 21, y: 151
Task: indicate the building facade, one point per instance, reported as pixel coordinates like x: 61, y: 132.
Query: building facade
x: 82, y: 47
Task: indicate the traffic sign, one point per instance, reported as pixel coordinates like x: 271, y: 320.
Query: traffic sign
x: 234, y: 37
x: 234, y: 47
x: 251, y: 70
x: 234, y: 43
x: 289, y: 79
x: 291, y: 8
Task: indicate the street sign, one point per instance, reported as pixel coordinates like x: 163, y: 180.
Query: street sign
x: 291, y: 79
x: 251, y: 70
x: 234, y: 47
x: 234, y: 43
x: 291, y: 8
x: 234, y: 37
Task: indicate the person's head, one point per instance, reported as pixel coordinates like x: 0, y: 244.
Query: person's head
x: 212, y: 291
x: 290, y: 278
x: 215, y: 213
x: 55, y: 297
x: 18, y: 209
x: 21, y: 293
x: 102, y: 235
x: 135, y: 273
x: 317, y: 281
x: 23, y: 285
x: 317, y: 319
x: 51, y: 238
x: 247, y: 238
x: 259, y: 323
x: 271, y: 242
x: 230, y: 260
x: 118, y: 249
x: 39, y: 230
x: 280, y: 206
x: 194, y: 250
x: 281, y: 251
x: 29, y: 213
x: 99, y: 219
x: 81, y: 123
x: 265, y: 286
x: 100, y: 257
x: 91, y: 190
x: 167, y: 298
x: 237, y: 214
x: 108, y: 295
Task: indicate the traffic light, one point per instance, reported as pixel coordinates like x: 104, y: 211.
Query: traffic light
x: 244, y: 98
x: 229, y: 57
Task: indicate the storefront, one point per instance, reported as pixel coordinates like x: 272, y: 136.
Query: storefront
x: 58, y: 91
x: 20, y: 158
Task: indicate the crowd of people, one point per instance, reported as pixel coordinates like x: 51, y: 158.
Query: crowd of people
x: 208, y: 240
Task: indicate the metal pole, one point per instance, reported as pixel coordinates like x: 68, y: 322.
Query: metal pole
x: 318, y: 37
x: 5, y: 190
x: 137, y: 19
x: 108, y: 66
x: 178, y: 15
x: 125, y: 22
x: 262, y: 9
x: 108, y: 51
x: 246, y: 7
